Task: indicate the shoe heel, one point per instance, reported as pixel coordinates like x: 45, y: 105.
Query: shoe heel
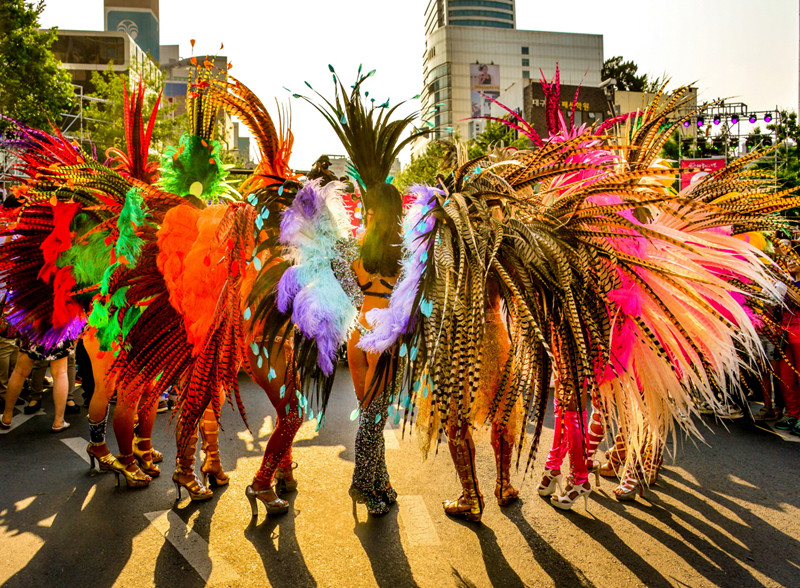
x: 116, y: 478
x: 177, y: 488
x: 92, y: 461
x: 596, y: 472
x: 251, y: 498
x: 586, y: 501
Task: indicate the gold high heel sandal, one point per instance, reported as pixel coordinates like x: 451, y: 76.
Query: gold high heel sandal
x: 135, y: 479
x: 155, y: 455
x: 212, y: 467
x: 145, y: 457
x: 571, y: 493
x: 102, y: 463
x: 468, y: 506
x: 505, y: 492
x: 273, y: 507
x: 184, y: 476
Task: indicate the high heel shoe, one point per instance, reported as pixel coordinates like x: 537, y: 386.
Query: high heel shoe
x: 571, y: 493
x: 187, y: 479
x: 274, y: 507
x: 145, y: 459
x: 468, y: 506
x: 630, y: 485
x: 550, y: 483
x: 593, y: 467
x: 375, y: 504
x: 135, y: 479
x: 505, y: 493
x: 155, y: 455
x: 615, y: 458
x: 389, y: 495
x: 213, y: 474
x: 284, y: 480
x: 212, y: 467
x: 102, y: 463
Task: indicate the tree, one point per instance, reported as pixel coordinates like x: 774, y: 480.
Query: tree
x: 624, y: 72
x: 34, y: 88
x: 422, y: 169
x: 103, y: 116
x: 495, y: 134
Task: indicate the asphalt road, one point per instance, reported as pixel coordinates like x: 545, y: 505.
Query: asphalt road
x: 725, y: 513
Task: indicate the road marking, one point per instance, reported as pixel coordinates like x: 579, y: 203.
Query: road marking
x: 18, y: 420
x: 78, y: 445
x: 391, y: 439
x: 194, y: 549
x: 417, y: 522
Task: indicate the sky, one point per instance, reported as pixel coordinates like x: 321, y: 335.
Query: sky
x: 739, y: 49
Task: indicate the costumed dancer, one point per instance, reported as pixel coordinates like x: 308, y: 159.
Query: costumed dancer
x: 583, y: 280
x: 268, y: 336
x: 372, y: 140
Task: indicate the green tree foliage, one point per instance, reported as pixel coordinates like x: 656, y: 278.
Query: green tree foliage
x: 34, y: 88
x: 625, y: 74
x: 498, y: 135
x: 103, y: 117
x: 422, y: 169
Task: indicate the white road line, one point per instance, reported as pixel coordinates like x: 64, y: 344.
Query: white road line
x: 78, y: 445
x: 266, y: 427
x: 194, y: 549
x: 391, y: 439
x: 18, y: 420
x: 416, y: 520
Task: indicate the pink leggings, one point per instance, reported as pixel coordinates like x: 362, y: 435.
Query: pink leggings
x: 568, y: 437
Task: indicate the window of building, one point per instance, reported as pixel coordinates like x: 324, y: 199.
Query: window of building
x: 526, y: 74
x: 504, y: 5
x: 482, y: 23
x: 526, y: 62
x: 526, y: 50
x: 86, y: 49
x: 490, y: 13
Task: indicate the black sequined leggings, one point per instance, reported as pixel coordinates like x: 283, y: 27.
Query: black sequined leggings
x: 370, y: 472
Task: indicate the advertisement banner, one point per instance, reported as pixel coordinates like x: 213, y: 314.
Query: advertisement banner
x: 484, y: 81
x: 699, y: 168
x: 141, y: 25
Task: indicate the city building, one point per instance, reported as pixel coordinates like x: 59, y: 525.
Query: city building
x: 138, y: 18
x: 84, y: 52
x: 474, y: 52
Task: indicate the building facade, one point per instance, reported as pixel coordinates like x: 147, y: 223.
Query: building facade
x: 138, y: 18
x: 474, y: 54
x: 84, y: 52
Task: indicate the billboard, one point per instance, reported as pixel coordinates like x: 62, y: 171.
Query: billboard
x: 141, y: 25
x: 484, y: 81
x: 698, y: 169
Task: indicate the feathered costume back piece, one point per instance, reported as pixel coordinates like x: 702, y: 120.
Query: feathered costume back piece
x: 643, y: 313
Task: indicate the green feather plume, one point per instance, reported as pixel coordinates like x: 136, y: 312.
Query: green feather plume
x: 195, y: 167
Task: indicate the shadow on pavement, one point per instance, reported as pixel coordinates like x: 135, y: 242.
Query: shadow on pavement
x: 276, y: 542
x: 380, y: 539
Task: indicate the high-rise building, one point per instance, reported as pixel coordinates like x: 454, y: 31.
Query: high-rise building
x: 474, y: 52
x: 481, y: 13
x: 138, y: 18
